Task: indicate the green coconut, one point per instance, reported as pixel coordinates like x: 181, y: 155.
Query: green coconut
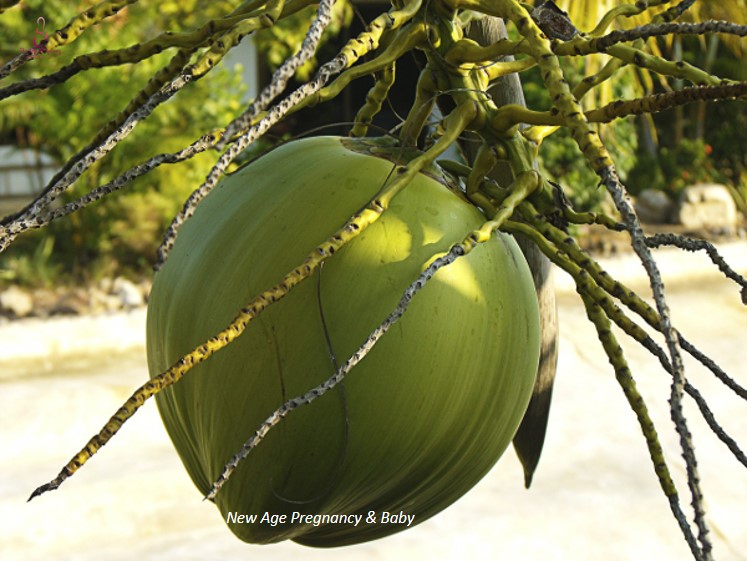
x: 417, y: 423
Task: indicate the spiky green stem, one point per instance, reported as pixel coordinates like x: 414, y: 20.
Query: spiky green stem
x: 402, y: 41
x: 508, y: 116
x: 599, y: 160
x: 594, y: 302
x: 384, y: 80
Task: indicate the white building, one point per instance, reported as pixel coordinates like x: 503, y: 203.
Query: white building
x: 23, y: 174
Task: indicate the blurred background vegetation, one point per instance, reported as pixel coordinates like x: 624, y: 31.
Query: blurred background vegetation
x: 118, y: 235
x: 666, y: 151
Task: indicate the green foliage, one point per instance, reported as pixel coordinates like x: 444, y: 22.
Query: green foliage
x: 718, y: 156
x: 125, y: 232
x: 728, y: 139
x: 726, y: 126
x: 673, y: 169
x: 33, y: 263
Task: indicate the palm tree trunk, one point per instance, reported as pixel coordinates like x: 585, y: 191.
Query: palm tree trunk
x: 530, y: 437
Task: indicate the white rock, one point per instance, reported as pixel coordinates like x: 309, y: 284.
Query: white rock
x: 17, y: 301
x: 707, y: 206
x: 104, y: 301
x: 128, y: 293
x: 653, y: 207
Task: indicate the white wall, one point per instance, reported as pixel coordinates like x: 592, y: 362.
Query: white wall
x: 23, y: 172
x: 245, y: 54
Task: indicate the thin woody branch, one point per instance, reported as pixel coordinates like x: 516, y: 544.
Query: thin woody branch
x: 659, y: 29
x: 599, y: 159
x: 203, y: 143
x: 628, y: 297
x: 249, y: 132
x: 660, y: 102
x: 511, y: 115
x: 689, y: 244
x: 153, y: 94
x: 597, y: 284
x: 676, y: 11
x: 266, y: 96
x: 56, y: 185
x: 593, y: 302
x: 142, y: 105
x: 620, y: 197
x: 584, y: 46
x: 211, y: 32
x: 72, y: 30
x: 87, y: 157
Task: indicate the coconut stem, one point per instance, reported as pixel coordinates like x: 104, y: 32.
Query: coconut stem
x: 599, y: 307
x: 627, y: 296
x: 374, y: 100
x: 600, y: 288
x: 598, y: 158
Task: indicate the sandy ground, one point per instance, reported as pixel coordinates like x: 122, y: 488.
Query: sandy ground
x: 594, y: 496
